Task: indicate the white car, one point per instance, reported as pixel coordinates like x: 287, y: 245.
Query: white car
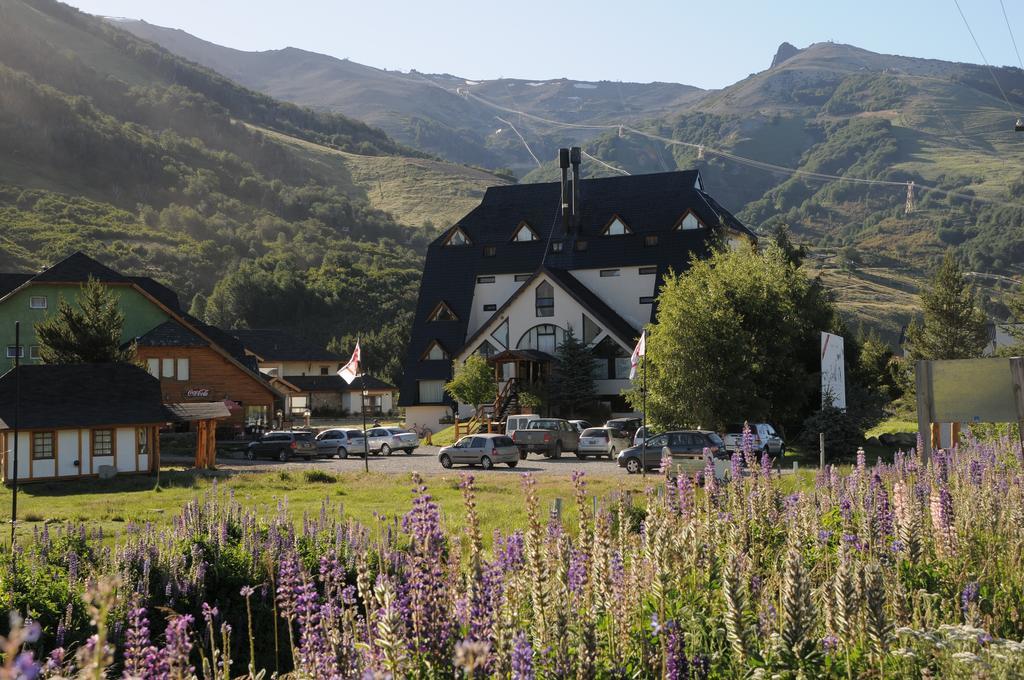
x: 602, y: 441
x: 340, y: 443
x: 384, y: 440
x: 764, y: 438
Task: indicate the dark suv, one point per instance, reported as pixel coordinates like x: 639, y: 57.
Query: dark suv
x: 283, y: 446
x: 685, y: 447
x: 628, y: 426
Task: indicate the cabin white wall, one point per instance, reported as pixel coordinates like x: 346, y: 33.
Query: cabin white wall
x: 429, y: 415
x: 622, y: 293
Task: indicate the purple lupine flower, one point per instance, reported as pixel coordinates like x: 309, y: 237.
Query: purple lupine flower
x: 25, y: 666
x: 677, y: 665
x: 968, y: 595
x: 288, y: 581
x: 736, y: 466
x: 139, y: 655
x: 178, y: 647
x: 209, y: 613
x: 700, y: 667
x: 766, y: 464
x: 577, y: 574
x: 830, y: 643
x: 846, y: 508
x: 522, y: 658
x: 824, y: 536
x: 684, y: 490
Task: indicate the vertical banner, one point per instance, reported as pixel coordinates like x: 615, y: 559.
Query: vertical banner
x: 833, y: 371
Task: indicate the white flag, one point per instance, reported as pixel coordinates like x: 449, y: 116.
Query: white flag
x: 350, y: 370
x: 638, y: 351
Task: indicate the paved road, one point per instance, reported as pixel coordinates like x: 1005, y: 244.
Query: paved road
x: 424, y: 461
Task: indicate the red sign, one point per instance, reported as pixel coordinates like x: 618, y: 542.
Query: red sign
x: 197, y: 393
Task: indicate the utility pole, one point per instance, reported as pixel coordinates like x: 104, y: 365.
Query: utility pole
x: 366, y: 439
x: 17, y: 407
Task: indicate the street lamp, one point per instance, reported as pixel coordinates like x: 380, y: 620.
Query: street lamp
x: 366, y: 439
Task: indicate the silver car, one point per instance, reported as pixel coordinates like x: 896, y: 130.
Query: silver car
x: 485, y: 450
x: 602, y: 441
x: 384, y: 440
x: 340, y: 443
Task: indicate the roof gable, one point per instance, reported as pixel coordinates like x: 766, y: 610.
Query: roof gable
x: 79, y: 268
x: 271, y: 344
x: 170, y: 334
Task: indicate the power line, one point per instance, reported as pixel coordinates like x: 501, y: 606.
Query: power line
x: 522, y: 139
x: 607, y: 165
x: 991, y: 71
x: 1012, y: 39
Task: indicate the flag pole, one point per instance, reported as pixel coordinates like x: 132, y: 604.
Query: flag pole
x: 366, y: 439
x: 17, y: 406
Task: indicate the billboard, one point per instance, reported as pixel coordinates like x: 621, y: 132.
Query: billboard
x: 833, y: 371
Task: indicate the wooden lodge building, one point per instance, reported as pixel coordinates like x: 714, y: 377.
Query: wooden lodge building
x: 534, y: 260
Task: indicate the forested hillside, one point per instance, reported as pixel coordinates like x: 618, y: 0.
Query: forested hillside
x: 114, y: 146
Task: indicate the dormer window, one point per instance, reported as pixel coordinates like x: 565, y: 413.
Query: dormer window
x: 435, y: 352
x: 689, y: 221
x: 457, y: 238
x: 617, y: 227
x: 524, y: 233
x: 442, y: 313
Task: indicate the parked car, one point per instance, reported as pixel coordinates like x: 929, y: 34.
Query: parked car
x: 384, y: 440
x: 580, y: 425
x: 282, y: 445
x: 549, y: 436
x: 686, y: 448
x: 602, y: 441
x: 485, y: 450
x: 629, y: 426
x: 340, y: 443
x: 513, y: 423
x: 764, y: 439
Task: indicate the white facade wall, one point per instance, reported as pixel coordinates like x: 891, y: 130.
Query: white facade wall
x: 71, y: 445
x: 429, y: 415
x: 285, y: 368
x: 622, y: 293
x: 497, y: 293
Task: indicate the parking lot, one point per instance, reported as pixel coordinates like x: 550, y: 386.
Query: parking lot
x: 423, y: 460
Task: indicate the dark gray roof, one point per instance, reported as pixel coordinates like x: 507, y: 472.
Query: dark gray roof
x: 79, y: 267
x: 170, y: 334
x: 335, y: 383
x: 81, y: 395
x: 10, y: 282
x: 271, y: 344
x: 648, y: 204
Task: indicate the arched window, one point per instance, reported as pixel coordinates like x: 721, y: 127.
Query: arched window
x: 616, y: 227
x: 545, y: 338
x: 545, y: 293
x: 524, y: 232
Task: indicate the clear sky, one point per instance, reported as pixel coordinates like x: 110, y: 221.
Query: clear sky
x: 709, y: 44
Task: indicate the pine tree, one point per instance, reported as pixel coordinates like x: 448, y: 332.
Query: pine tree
x: 90, y: 333
x: 572, y: 380
x: 954, y: 326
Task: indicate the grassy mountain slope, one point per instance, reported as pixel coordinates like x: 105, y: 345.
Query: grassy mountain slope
x: 426, y: 110
x: 114, y: 146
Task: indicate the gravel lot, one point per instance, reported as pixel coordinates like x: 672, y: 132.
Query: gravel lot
x: 423, y: 460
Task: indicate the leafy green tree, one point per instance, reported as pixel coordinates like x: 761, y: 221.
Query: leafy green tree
x: 473, y: 382
x: 737, y: 337
x: 954, y: 326
x: 88, y: 334
x: 571, y: 385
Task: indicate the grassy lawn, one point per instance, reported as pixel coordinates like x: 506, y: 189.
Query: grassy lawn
x: 111, y: 504
x: 892, y: 426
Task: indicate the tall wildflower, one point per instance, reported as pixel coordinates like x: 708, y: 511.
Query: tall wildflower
x: 522, y: 658
x: 942, y: 519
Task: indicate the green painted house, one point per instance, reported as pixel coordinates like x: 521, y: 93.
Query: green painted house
x: 29, y: 298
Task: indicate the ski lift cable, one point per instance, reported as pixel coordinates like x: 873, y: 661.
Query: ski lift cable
x: 607, y: 165
x: 1010, y: 29
x: 991, y: 71
x: 762, y: 165
x: 521, y: 139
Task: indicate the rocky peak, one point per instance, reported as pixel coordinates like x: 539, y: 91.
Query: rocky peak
x: 784, y: 52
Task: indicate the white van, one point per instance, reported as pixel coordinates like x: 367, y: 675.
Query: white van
x: 520, y: 422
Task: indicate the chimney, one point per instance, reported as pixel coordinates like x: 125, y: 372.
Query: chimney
x: 574, y: 158
x: 563, y: 162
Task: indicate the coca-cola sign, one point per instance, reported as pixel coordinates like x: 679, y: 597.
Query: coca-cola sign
x: 197, y: 393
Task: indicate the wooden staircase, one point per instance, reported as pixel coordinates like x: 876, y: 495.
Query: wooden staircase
x: 489, y: 416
